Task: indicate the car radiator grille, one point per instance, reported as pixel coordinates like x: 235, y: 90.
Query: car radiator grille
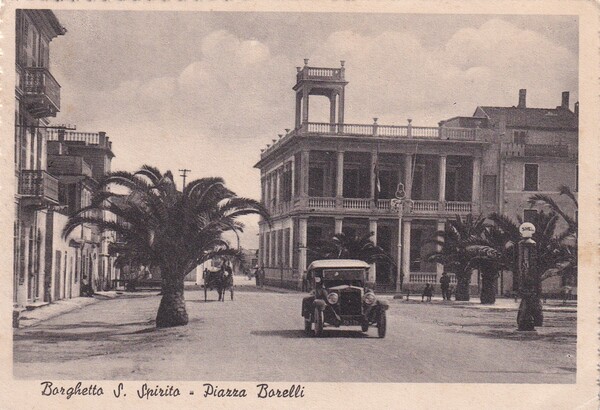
x: 350, y: 302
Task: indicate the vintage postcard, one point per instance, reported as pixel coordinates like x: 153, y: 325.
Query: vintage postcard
x: 230, y: 204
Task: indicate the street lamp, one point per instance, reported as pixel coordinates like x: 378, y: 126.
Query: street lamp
x: 530, y: 309
x: 397, y: 204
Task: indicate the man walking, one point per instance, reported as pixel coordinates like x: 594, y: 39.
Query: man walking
x: 445, y: 285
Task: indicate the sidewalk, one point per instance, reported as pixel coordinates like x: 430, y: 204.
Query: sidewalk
x: 501, y: 304
x: 28, y: 318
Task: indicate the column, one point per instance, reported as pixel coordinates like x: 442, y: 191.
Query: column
x: 298, y: 110
x: 399, y: 255
x: 476, y: 183
x: 373, y: 269
x: 442, y: 182
x: 293, y: 182
x: 302, y: 227
x: 304, y: 164
x: 332, y: 107
x: 338, y: 224
x: 341, y: 107
x: 374, y: 157
x: 304, y: 105
x: 339, y: 187
x: 408, y: 168
x: 406, y: 250
x: 441, y: 224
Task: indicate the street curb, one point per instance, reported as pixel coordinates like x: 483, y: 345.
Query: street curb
x: 68, y: 305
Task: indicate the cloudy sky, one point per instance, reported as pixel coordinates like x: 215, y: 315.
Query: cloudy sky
x: 206, y: 90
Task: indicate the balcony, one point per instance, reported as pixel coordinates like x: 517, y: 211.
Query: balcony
x: 379, y: 131
x: 41, y: 92
x: 320, y: 74
x: 511, y: 150
x: 39, y: 186
x: 98, y: 139
x: 382, y: 207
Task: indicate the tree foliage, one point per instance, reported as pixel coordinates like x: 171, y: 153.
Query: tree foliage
x: 160, y: 226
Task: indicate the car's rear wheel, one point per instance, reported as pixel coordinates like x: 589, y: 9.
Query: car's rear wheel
x: 307, y: 325
x: 318, y: 318
x: 381, y: 324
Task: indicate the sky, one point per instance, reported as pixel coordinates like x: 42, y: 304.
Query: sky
x: 207, y: 90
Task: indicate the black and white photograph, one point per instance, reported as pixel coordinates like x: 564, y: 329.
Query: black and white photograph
x: 217, y: 204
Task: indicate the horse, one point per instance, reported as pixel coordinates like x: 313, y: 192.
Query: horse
x: 218, y: 280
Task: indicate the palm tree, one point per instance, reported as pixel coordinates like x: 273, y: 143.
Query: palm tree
x: 452, y: 253
x: 497, y: 249
x: 565, y: 244
x: 343, y: 246
x: 164, y: 228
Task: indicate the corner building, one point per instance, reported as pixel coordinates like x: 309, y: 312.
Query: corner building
x: 323, y: 178
x: 326, y: 178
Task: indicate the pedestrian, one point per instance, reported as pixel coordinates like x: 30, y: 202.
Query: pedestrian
x: 304, y: 282
x: 257, y: 275
x: 261, y: 273
x: 427, y: 292
x: 445, y: 285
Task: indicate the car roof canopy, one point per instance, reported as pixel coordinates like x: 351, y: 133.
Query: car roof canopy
x: 338, y: 263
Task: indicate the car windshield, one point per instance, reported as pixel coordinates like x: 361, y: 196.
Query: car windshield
x: 333, y: 283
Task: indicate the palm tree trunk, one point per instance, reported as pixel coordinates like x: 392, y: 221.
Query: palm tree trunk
x: 488, y: 287
x: 462, y: 287
x: 171, y: 311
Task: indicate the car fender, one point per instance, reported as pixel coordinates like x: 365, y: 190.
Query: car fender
x: 319, y: 303
x: 383, y: 305
x: 307, y: 306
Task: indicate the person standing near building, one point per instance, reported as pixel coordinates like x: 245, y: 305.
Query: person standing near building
x: 445, y: 285
x: 257, y: 275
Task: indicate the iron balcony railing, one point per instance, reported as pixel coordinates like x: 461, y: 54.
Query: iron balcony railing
x: 38, y: 184
x: 42, y: 88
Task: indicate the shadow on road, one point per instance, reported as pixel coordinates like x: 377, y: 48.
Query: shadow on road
x: 298, y: 333
x: 554, y: 337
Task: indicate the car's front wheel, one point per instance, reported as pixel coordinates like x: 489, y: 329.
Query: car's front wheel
x: 381, y: 324
x: 318, y: 319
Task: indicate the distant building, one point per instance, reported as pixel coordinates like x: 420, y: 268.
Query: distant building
x: 80, y: 160
x: 324, y: 178
x: 533, y: 150
x: 37, y: 95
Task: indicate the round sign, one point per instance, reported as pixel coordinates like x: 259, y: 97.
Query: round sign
x: 527, y: 229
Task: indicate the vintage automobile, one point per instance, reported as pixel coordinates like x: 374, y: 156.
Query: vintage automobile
x: 339, y: 297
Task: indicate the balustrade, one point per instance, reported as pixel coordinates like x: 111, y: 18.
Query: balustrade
x: 321, y: 202
x: 356, y: 203
x: 425, y: 206
x: 458, y: 207
x: 423, y: 278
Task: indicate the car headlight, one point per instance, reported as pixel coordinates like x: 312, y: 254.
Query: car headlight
x: 369, y: 298
x: 333, y: 298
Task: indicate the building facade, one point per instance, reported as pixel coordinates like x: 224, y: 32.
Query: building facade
x: 37, y: 98
x: 79, y: 160
x: 325, y: 178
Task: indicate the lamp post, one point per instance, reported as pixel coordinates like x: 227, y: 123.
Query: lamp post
x: 530, y: 309
x: 397, y: 204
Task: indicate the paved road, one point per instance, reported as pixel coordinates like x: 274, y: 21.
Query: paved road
x: 259, y: 336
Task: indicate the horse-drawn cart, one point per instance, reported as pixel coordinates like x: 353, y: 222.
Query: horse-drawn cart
x: 220, y: 280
